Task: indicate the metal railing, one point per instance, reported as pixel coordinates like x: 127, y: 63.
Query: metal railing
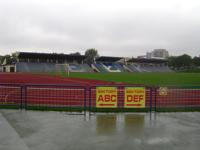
x: 177, y: 98
x: 76, y: 98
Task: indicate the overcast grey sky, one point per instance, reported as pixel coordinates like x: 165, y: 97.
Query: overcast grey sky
x: 114, y: 27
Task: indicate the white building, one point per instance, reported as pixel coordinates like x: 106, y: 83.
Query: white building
x: 158, y: 53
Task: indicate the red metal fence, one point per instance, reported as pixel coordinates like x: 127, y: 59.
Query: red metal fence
x: 82, y: 98
x: 10, y: 96
x: 178, y: 97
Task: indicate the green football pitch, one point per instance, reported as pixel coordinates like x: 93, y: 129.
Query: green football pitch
x: 156, y: 79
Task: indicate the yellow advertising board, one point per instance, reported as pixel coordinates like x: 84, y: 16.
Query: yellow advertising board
x: 134, y: 97
x: 106, y: 97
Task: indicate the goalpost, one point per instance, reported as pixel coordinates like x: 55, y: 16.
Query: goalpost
x: 62, y: 69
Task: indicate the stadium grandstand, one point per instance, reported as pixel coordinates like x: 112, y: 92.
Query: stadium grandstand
x: 147, y: 65
x: 52, y: 62
x: 109, y: 64
x: 46, y: 62
x: 118, y: 64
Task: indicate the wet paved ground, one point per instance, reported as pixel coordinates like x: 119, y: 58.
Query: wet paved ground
x: 35, y: 130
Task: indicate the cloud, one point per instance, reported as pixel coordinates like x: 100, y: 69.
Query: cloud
x: 114, y: 27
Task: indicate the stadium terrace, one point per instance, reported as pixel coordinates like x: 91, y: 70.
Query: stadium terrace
x: 52, y: 62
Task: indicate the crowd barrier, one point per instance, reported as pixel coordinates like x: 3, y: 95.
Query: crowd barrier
x: 100, y: 98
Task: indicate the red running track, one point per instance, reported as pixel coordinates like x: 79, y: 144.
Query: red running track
x: 49, y: 94
x: 21, y: 78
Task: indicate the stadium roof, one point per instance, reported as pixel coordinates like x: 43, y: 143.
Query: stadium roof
x: 30, y: 55
x: 145, y: 60
x: 108, y: 59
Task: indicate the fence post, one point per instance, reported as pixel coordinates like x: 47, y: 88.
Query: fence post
x: 21, y: 97
x: 25, y: 97
x: 150, y: 99
x: 155, y: 98
x: 90, y: 100
x: 85, y: 100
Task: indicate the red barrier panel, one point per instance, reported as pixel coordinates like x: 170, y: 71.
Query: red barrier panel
x: 187, y: 97
x: 80, y: 97
x: 10, y: 96
x: 55, y: 96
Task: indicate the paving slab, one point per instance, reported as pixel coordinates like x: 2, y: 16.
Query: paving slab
x: 139, y: 131
x: 9, y: 138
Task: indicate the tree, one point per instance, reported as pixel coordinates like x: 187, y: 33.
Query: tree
x: 90, y: 55
x: 1, y: 59
x: 184, y: 61
x: 172, y: 62
x: 7, y: 59
x: 196, y: 61
x: 180, y: 62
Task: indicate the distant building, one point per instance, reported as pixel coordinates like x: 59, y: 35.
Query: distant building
x: 158, y: 53
x: 149, y: 55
